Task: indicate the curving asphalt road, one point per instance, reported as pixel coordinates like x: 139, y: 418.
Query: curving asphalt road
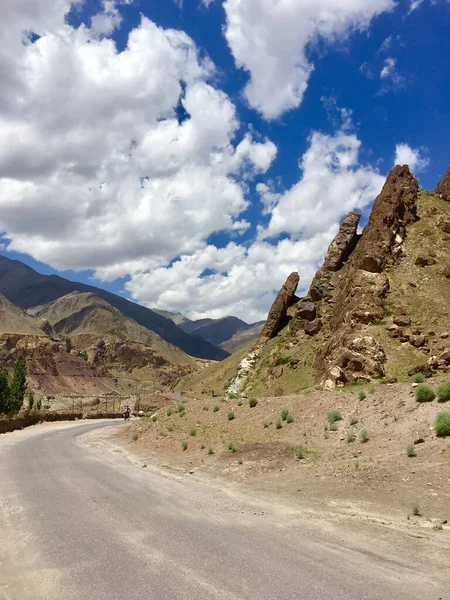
x: 77, y: 523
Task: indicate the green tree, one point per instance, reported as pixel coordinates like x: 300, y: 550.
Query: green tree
x: 4, y: 391
x: 18, y: 386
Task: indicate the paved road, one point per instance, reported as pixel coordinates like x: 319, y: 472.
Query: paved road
x: 78, y: 524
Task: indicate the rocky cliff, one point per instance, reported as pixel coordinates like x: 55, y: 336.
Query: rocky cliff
x: 379, y: 307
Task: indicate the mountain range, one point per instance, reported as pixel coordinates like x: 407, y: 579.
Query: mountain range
x: 84, y: 340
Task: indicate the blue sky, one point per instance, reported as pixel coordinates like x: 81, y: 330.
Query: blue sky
x: 154, y: 148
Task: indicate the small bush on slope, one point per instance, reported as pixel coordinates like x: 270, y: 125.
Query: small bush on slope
x: 442, y: 424
x: 424, y: 393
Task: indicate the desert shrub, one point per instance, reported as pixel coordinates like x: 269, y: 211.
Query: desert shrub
x: 363, y: 436
x: 442, y: 423
x: 216, y: 408
x: 289, y: 418
x: 181, y: 407
x: 206, y: 408
x: 372, y: 389
x: 233, y: 396
x: 170, y: 427
x: 240, y: 403
x: 252, y: 402
x: 410, y: 451
x: 333, y: 416
x: 154, y: 418
x: 231, y: 415
x: 266, y: 424
x: 443, y: 391
x: 299, y: 453
x: 279, y: 424
x: 326, y: 435
x: 350, y: 437
x: 184, y: 444
x: 424, y: 393
x: 231, y: 447
x: 419, y: 378
x: 352, y: 420
x: 202, y: 447
x: 83, y: 355
x: 333, y: 426
x: 240, y: 461
x: 30, y: 401
x: 169, y: 412
x: 134, y: 437
x: 181, y: 413
x: 193, y: 432
x: 416, y: 511
x: 210, y: 451
x: 39, y: 404
x: 284, y: 414
x: 362, y: 395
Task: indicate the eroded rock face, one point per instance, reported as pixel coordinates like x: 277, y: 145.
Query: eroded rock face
x: 276, y: 318
x: 358, y: 297
x: 343, y: 244
x: 392, y: 211
x: 443, y: 187
x: 338, y: 253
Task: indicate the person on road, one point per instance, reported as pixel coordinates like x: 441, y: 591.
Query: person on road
x: 127, y: 413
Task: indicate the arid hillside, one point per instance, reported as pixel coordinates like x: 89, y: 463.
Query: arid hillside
x: 378, y: 309
x: 15, y: 320
x: 26, y: 288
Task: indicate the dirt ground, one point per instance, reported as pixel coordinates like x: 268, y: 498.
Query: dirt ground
x: 371, y: 481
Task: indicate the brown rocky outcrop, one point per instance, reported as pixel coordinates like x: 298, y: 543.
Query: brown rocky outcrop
x: 361, y: 288
x: 393, y: 210
x: 338, y: 253
x: 443, y: 187
x: 277, y: 316
x: 343, y: 244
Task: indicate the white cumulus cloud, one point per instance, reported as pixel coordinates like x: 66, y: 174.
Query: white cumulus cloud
x: 116, y: 161
x: 245, y: 280
x: 333, y: 182
x: 270, y: 40
x: 405, y: 155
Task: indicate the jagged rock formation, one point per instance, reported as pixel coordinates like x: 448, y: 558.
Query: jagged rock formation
x: 276, y: 318
x: 443, y: 187
x: 359, y: 298
x: 377, y: 308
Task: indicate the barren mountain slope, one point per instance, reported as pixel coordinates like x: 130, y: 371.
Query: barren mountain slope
x: 15, y: 320
x: 242, y: 338
x: 26, y: 288
x: 378, y: 308
x: 86, y: 318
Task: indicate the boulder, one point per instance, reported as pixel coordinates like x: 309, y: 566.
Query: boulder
x: 315, y: 293
x: 306, y: 310
x: 402, y: 320
x: 313, y: 327
x: 426, y: 370
x: 447, y: 272
x: 422, y: 261
x: 443, y: 187
x: 276, y: 318
x: 445, y: 226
